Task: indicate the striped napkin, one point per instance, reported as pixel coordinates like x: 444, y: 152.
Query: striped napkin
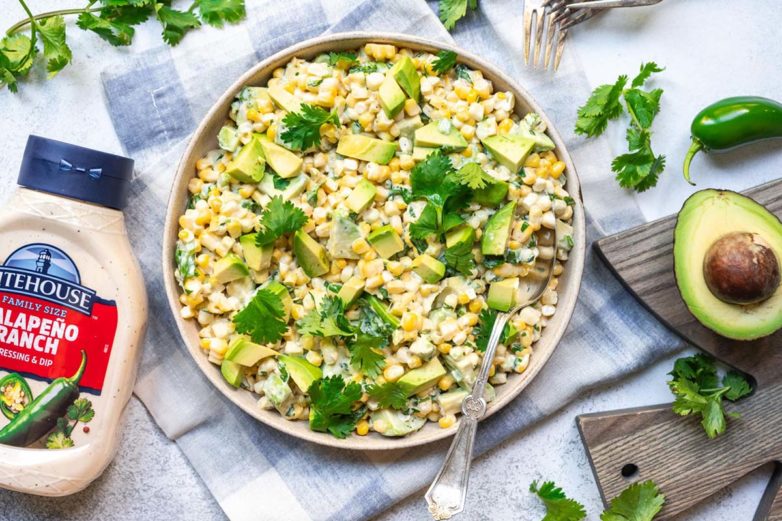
x: 156, y: 99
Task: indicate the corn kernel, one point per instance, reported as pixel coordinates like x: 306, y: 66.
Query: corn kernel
x: 476, y: 306
x: 463, y: 298
x: 505, y: 126
x: 202, y: 260
x: 468, y: 131
x: 393, y: 372
x: 447, y: 421
x: 557, y: 169
x: 472, y: 96
x: 271, y: 133
x: 365, y: 120
x: 362, y: 428
x: 360, y: 246
x: 203, y: 164
x: 445, y: 382
x: 492, y: 370
x: 411, y: 321
x: 444, y: 348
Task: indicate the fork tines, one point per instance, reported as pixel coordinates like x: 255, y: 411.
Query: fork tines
x: 544, y: 22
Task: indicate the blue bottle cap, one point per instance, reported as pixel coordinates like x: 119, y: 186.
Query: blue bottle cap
x: 76, y: 172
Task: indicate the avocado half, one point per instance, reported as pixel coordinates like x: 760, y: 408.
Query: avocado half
x: 706, y: 217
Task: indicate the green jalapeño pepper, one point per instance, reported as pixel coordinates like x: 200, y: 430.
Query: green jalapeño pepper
x: 15, y: 395
x: 41, y: 415
x: 733, y: 122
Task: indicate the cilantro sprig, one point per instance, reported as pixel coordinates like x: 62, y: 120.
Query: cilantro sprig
x: 263, y: 318
x: 111, y: 20
x: 445, y: 61
x: 331, y: 405
x: 558, y: 506
x: 277, y: 219
x: 638, y: 169
x: 389, y: 395
x: 302, y: 129
x: 482, y: 329
x: 698, y: 391
x: 80, y: 411
x: 451, y: 11
x: 327, y: 321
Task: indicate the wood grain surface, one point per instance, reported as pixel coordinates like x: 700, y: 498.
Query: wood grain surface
x: 654, y: 443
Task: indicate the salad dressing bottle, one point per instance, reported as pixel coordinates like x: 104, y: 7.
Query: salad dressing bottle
x: 72, y: 317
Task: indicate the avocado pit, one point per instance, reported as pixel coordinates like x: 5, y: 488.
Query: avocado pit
x: 741, y: 268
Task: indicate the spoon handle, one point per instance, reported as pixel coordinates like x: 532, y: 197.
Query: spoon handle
x: 446, y: 495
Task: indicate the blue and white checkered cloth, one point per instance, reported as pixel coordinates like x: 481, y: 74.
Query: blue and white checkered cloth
x: 256, y: 473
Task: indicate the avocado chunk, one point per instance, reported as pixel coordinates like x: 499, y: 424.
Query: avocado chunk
x: 283, y: 161
x: 366, y: 148
x: 284, y: 99
x: 278, y: 393
x: 421, y: 153
x: 310, y: 255
x: 429, y: 268
x: 407, y: 77
x: 502, y: 294
x: 351, y: 290
x: 395, y: 423
x: 228, y: 138
x: 408, y: 126
x: 386, y: 241
x: 301, y: 371
x: 431, y: 136
x: 230, y: 268
x: 248, y: 165
x: 244, y: 352
x: 509, y: 151
x: 495, y: 236
x: 343, y: 233
x: 451, y: 402
x: 232, y: 372
x: 460, y: 236
x: 382, y: 312
x: 281, y: 291
x: 361, y: 196
x: 256, y: 257
x: 530, y: 128
x: 492, y: 194
x: 424, y: 377
x: 392, y: 98
x: 294, y: 188
x: 726, y: 255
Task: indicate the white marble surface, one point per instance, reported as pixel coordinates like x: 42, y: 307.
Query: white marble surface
x: 711, y: 49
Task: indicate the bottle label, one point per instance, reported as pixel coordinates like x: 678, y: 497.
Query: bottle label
x: 56, y: 337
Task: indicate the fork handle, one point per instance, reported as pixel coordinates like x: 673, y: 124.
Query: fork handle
x: 447, y: 493
x: 610, y: 4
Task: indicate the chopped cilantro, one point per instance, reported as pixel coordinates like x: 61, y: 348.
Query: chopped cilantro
x: 445, y: 61
x: 263, y: 318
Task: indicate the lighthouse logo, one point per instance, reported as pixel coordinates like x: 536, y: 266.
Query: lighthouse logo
x: 46, y: 272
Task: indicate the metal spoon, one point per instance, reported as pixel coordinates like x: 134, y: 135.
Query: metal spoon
x: 447, y: 493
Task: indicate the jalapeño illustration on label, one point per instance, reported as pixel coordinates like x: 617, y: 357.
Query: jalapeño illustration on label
x: 52, y: 328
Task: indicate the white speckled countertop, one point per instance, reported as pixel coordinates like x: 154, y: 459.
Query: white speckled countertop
x: 711, y: 50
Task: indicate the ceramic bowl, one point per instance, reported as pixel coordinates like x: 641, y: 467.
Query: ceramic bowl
x: 205, y: 139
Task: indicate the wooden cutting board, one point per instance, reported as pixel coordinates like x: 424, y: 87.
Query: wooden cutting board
x: 652, y: 442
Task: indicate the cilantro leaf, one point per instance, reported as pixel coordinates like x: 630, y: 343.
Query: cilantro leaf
x: 460, y: 258
x: 184, y: 257
x: 428, y: 179
x: 370, y: 323
x: 366, y: 355
x: 426, y: 225
x: 482, y: 329
x: 739, y: 387
x: 327, y: 321
x: 647, y: 69
x: 302, y: 129
x: 175, y: 23
x: 445, y: 61
x: 638, y: 502
x: 219, y: 12
x: 473, y: 176
x: 263, y: 318
x: 451, y: 11
x: 390, y: 395
x: 603, y: 105
x: 55, y: 50
x: 115, y: 32
x: 81, y: 410
x: 342, y: 59
x: 639, y: 169
x: 331, y: 406
x: 279, y: 218
x: 58, y: 440
x: 558, y: 506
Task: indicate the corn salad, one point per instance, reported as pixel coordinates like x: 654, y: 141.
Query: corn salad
x: 432, y: 352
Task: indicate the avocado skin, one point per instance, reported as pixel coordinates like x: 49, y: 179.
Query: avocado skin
x: 732, y: 321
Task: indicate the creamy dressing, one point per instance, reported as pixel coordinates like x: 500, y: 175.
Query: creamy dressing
x: 71, y: 295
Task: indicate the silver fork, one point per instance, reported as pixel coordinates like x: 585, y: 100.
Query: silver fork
x: 448, y: 491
